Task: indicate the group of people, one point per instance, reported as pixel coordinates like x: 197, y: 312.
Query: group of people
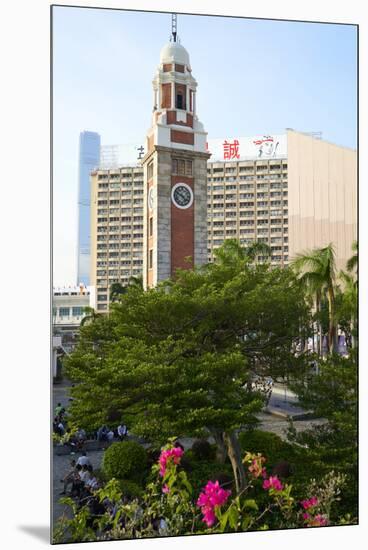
x: 59, y: 423
x: 80, y: 478
x: 77, y: 439
x: 83, y: 484
x: 109, y: 434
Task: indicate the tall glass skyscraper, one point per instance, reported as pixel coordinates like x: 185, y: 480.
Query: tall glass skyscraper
x: 89, y: 159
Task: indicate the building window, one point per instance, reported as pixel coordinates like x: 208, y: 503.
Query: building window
x: 151, y: 227
x: 182, y: 167
x: 150, y: 259
x: 179, y: 101
x: 64, y: 311
x: 77, y: 311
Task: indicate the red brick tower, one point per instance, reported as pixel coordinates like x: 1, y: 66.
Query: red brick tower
x: 175, y: 172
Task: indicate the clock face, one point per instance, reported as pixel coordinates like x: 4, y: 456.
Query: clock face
x: 182, y: 195
x: 150, y: 198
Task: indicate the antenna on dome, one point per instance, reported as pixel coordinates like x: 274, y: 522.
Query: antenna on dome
x: 174, y: 26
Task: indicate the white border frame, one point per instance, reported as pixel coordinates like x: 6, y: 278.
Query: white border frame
x: 182, y: 184
x: 26, y: 366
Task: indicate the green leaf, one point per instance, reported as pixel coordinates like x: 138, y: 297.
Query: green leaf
x: 233, y: 517
x: 251, y: 504
x: 246, y: 522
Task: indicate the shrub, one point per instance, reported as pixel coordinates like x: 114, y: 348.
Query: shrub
x: 202, y: 450
x: 201, y: 472
x: 125, y: 460
x: 268, y: 444
x: 153, y: 455
x: 100, y: 475
x: 130, y: 489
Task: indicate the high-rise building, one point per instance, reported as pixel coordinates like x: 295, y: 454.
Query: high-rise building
x: 89, y: 158
x: 116, y: 228
x: 292, y: 191
x: 175, y: 170
x: 247, y: 187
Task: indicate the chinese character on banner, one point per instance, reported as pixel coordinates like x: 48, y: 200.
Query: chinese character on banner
x: 141, y: 152
x: 231, y: 150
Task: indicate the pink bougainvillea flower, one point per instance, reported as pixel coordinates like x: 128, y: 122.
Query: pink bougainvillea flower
x: 209, y: 516
x: 273, y: 483
x: 319, y: 521
x: 309, y: 502
x: 212, y: 496
x: 169, y: 455
x: 166, y: 489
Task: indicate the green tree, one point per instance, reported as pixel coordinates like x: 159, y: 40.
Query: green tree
x: 352, y: 263
x: 333, y: 396
x: 117, y: 289
x: 90, y: 315
x: 176, y: 359
x: 231, y: 253
x: 347, y: 306
x: 316, y: 269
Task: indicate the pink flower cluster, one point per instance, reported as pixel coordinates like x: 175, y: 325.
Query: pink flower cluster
x: 309, y: 503
x: 317, y: 521
x: 273, y: 482
x: 211, y: 497
x: 313, y: 521
x: 169, y: 455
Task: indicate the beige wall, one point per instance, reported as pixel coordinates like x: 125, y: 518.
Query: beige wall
x: 322, y: 194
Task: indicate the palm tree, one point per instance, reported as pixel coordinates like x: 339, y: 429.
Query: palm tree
x: 116, y: 290
x: 136, y: 282
x: 316, y: 269
x: 231, y: 252
x: 90, y: 315
x: 352, y: 262
x: 349, y: 306
x: 257, y: 248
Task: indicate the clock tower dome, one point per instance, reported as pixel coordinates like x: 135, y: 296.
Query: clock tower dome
x: 175, y: 171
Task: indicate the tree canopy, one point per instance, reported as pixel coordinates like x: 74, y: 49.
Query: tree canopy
x: 176, y: 359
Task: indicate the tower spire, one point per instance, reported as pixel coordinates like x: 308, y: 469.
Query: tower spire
x: 174, y: 26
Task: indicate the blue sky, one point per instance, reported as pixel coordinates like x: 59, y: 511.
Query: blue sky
x: 254, y: 77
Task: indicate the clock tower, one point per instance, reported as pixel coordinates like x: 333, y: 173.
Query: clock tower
x: 175, y: 172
